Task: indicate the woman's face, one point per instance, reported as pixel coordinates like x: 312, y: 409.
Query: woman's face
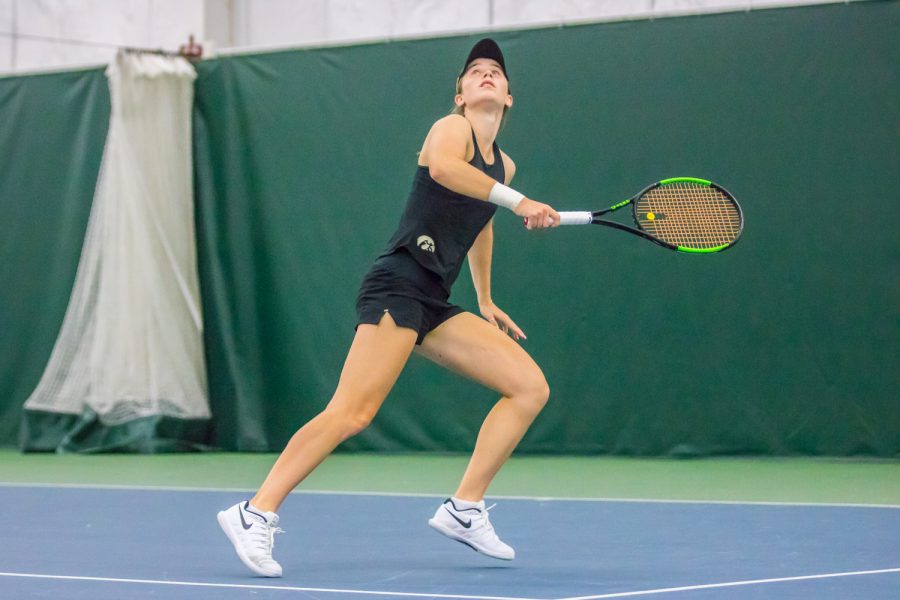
x: 484, y: 81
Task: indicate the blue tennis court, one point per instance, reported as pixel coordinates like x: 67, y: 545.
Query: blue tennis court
x: 230, y: 229
x: 101, y: 542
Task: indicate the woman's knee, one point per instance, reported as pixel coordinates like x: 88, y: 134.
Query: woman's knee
x: 533, y: 390
x: 542, y: 392
x: 349, y: 423
x: 352, y: 419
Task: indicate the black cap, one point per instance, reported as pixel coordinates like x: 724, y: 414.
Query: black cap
x: 486, y: 48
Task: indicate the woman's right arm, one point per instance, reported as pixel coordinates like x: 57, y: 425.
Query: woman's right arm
x: 445, y: 155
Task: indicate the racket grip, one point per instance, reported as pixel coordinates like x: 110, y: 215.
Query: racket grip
x: 575, y: 217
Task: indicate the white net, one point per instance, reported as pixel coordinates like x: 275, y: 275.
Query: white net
x: 131, y: 342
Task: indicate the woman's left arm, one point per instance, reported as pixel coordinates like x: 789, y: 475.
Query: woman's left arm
x: 480, y: 265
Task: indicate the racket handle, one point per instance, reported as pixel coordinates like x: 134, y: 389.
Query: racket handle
x: 575, y: 217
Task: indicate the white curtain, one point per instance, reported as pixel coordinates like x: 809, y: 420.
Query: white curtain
x: 131, y: 342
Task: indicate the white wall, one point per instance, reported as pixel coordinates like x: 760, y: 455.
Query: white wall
x: 248, y: 24
x: 143, y: 23
x: 274, y: 23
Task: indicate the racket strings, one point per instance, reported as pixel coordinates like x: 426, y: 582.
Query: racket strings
x: 689, y: 214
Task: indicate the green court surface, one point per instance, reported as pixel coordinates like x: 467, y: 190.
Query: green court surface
x: 814, y: 480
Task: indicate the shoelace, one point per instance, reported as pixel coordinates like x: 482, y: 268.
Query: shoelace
x: 272, y: 532
x: 486, y: 528
x: 264, y: 537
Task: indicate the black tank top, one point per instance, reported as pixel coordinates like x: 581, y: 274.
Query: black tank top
x: 439, y: 226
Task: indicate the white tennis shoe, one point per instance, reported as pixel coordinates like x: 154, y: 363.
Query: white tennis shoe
x: 472, y: 527
x: 253, y: 535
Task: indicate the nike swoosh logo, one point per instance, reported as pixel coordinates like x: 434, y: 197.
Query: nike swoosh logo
x: 458, y: 520
x: 243, y: 522
x: 253, y: 512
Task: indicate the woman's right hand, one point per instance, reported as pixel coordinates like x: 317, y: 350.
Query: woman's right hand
x: 537, y: 215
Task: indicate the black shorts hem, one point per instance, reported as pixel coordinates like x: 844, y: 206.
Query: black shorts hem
x: 451, y: 312
x: 374, y: 315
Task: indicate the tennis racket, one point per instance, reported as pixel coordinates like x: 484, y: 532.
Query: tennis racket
x: 685, y: 214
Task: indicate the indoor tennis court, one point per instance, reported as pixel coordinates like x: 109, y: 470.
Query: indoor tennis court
x: 195, y: 289
x: 585, y: 528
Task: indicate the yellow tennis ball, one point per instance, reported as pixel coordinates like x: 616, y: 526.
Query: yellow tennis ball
x: 650, y: 216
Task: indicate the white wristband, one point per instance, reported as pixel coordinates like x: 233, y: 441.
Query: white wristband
x: 504, y: 196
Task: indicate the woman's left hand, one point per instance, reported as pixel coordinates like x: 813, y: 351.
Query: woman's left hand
x: 492, y: 313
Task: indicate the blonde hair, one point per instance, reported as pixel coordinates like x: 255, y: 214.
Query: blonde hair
x: 461, y: 110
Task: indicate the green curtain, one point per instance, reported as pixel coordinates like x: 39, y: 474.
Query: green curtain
x: 305, y: 158
x: 52, y: 131
x: 786, y: 344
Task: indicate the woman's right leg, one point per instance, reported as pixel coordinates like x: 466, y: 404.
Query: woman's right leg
x: 376, y: 358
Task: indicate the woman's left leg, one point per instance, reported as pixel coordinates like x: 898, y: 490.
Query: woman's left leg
x: 472, y: 347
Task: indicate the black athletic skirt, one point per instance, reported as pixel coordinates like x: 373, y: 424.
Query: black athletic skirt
x: 413, y: 295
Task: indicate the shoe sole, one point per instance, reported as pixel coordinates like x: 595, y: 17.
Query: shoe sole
x: 444, y: 530
x: 222, y: 518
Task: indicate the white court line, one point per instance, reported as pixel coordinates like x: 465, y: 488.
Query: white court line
x: 453, y: 596
x: 730, y: 584
x: 161, y: 488
x: 261, y: 587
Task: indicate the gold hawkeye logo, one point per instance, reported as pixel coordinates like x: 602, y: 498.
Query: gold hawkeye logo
x: 425, y: 243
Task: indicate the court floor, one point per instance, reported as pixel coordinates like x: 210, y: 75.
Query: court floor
x: 144, y: 527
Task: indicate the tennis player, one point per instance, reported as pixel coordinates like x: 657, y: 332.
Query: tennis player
x: 402, y: 307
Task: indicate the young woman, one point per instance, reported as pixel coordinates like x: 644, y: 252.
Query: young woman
x: 402, y: 307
